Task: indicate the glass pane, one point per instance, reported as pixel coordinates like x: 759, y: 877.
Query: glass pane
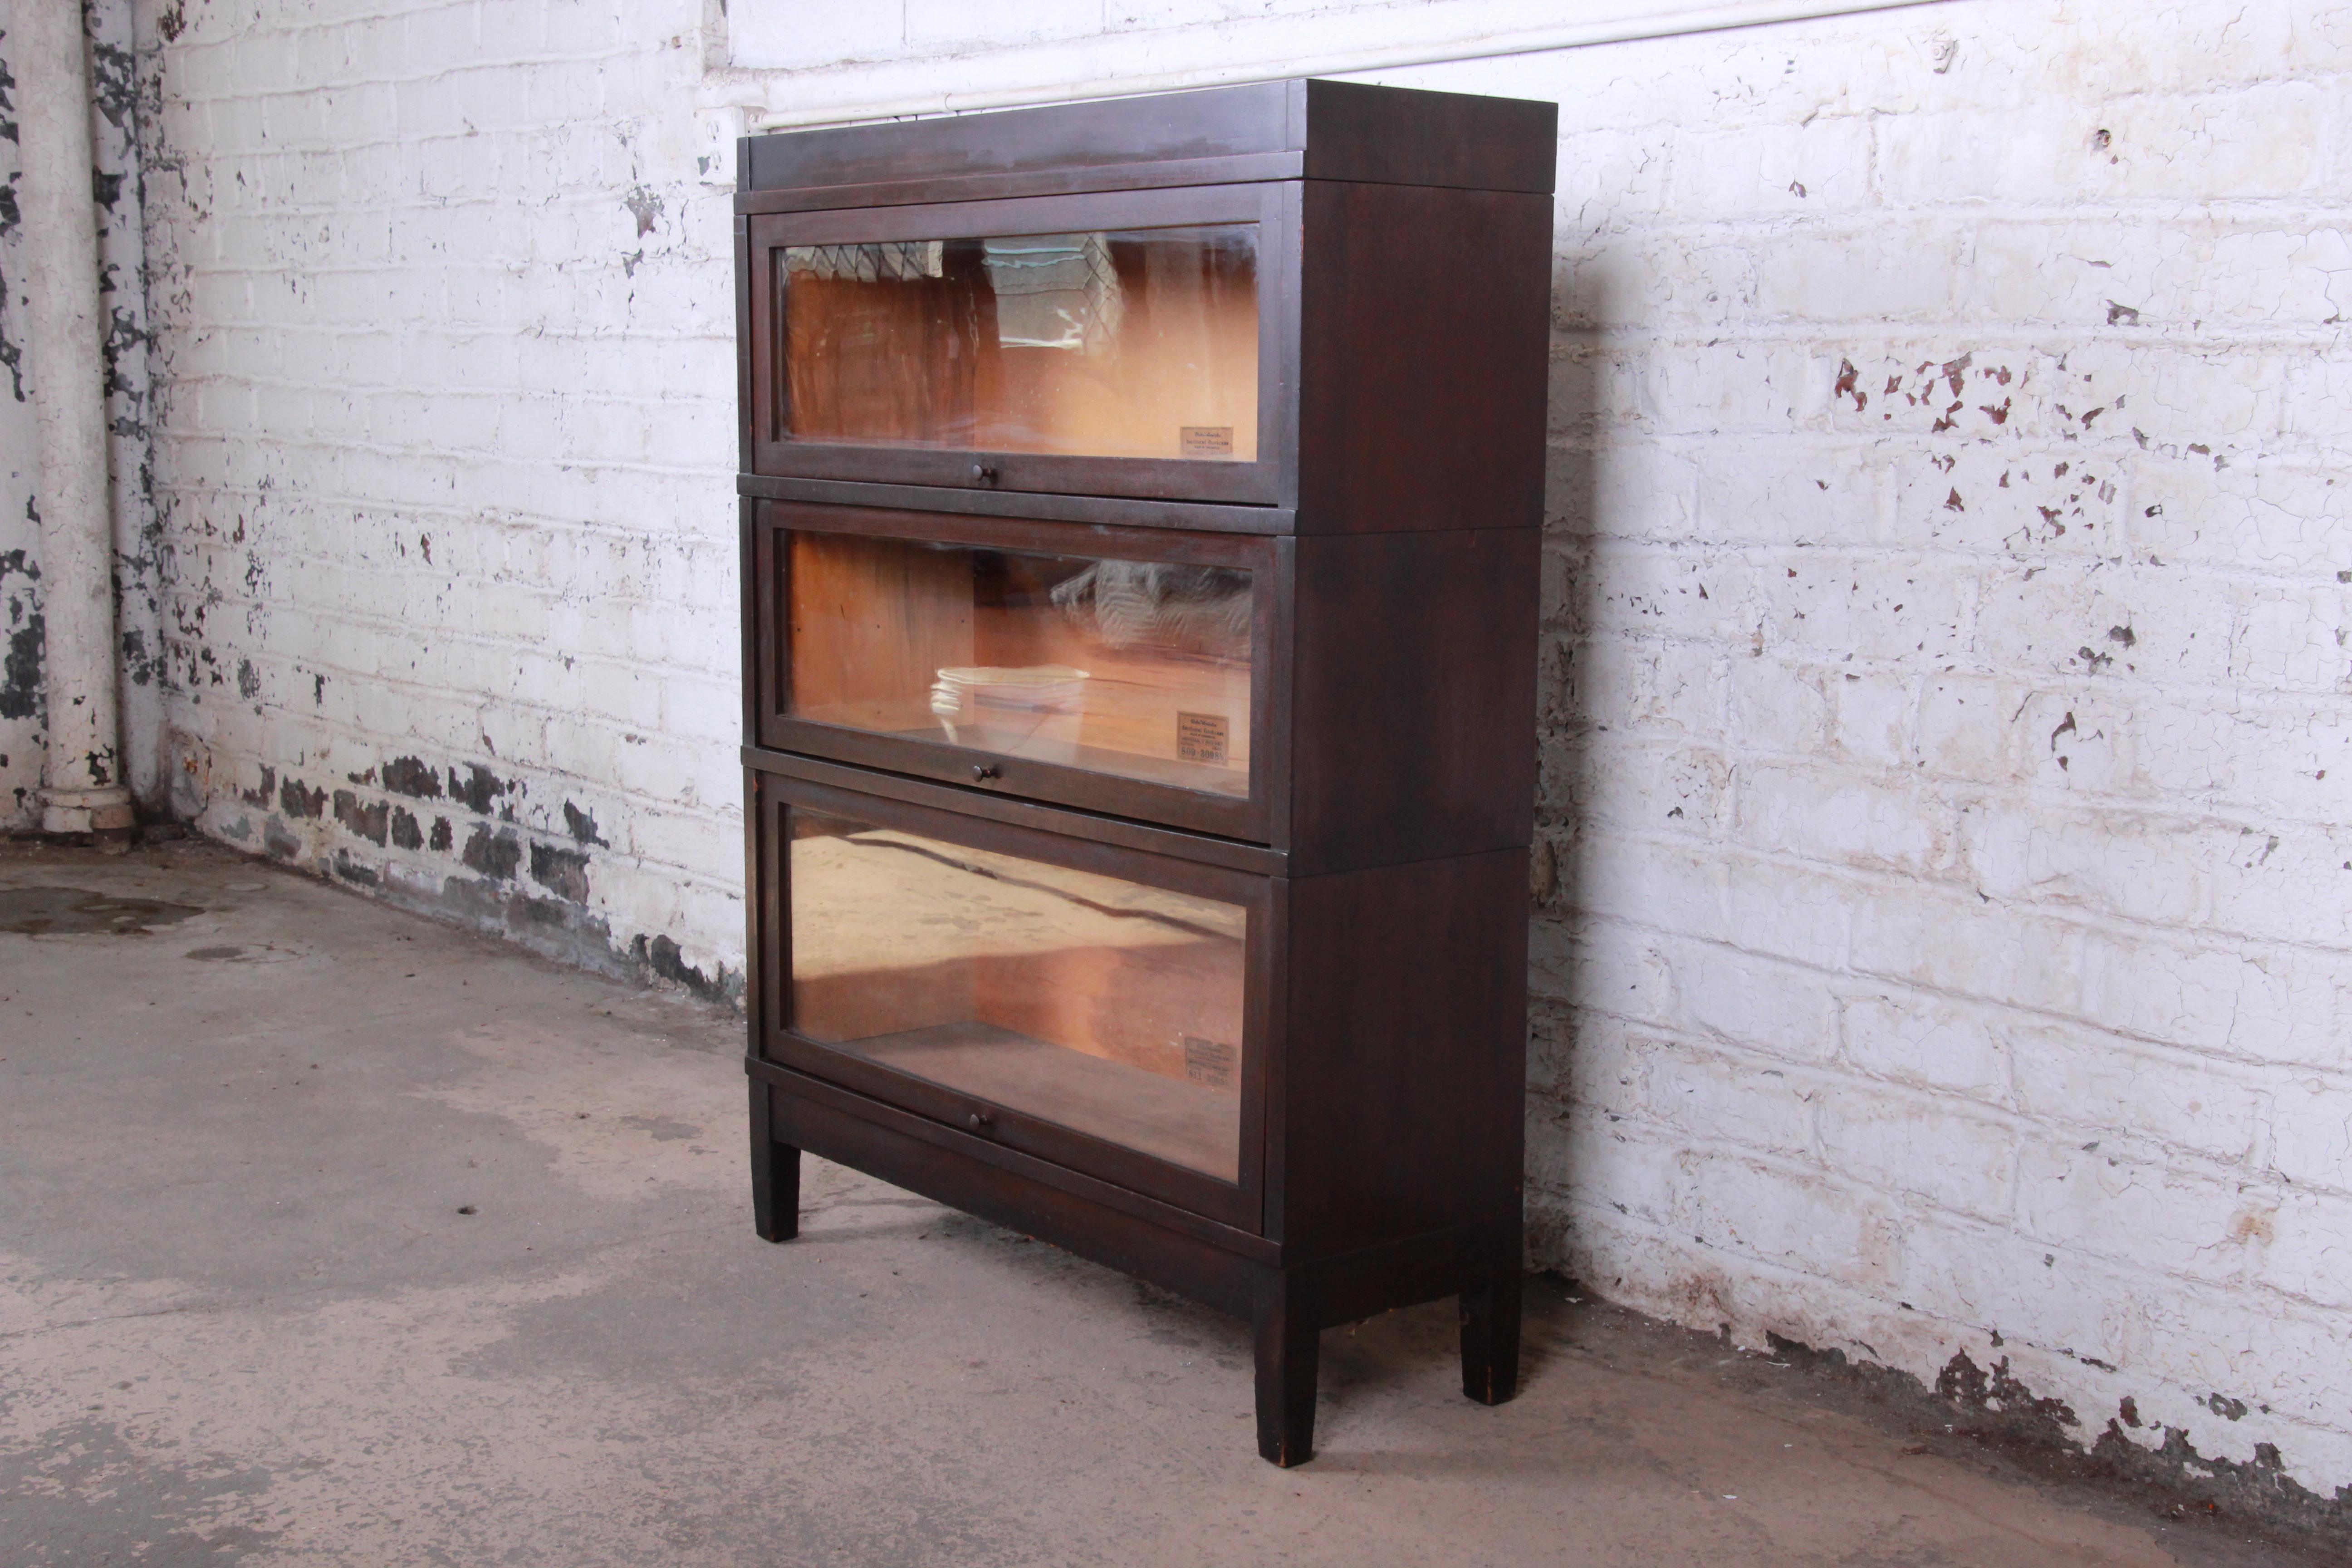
x: 1106, y: 1006
x: 1124, y: 342
x: 1134, y: 667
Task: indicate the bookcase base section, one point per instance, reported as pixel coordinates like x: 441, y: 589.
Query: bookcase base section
x: 1287, y: 1300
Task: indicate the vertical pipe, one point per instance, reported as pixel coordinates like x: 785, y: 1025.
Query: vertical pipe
x: 84, y: 790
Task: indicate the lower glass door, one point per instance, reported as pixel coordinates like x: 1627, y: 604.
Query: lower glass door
x: 1079, y: 1009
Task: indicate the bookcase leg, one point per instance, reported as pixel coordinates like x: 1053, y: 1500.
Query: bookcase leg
x: 1490, y: 1339
x: 775, y: 1176
x: 1287, y: 1340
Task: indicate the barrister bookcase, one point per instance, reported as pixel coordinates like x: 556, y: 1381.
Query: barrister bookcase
x: 1140, y: 502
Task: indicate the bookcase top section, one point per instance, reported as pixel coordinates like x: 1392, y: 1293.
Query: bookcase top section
x: 1317, y: 130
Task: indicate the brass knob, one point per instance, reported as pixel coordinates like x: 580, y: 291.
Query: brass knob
x: 982, y: 772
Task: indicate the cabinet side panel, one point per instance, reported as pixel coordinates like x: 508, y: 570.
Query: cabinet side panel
x: 1413, y: 690
x: 1405, y: 1052
x: 1424, y: 355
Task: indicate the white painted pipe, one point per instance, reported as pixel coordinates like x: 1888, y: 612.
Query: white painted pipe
x: 83, y: 787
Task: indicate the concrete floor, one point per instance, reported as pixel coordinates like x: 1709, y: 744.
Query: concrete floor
x: 329, y: 1235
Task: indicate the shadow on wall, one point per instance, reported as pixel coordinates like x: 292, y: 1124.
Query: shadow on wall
x: 1556, y: 870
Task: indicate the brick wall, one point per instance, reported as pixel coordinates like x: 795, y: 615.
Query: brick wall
x: 1943, y: 912
x: 447, y: 459
x: 1944, y: 907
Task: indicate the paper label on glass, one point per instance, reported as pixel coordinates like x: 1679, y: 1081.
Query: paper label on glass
x: 1209, y: 1062
x: 1201, y: 737
x: 1205, y: 440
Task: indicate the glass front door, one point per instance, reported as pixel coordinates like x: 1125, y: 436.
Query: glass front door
x: 1120, y: 344
x: 1122, y: 670
x: 1075, y: 1001
x: 1136, y: 343
x: 1140, y: 668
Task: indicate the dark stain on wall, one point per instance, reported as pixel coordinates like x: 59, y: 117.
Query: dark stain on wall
x: 563, y: 872
x: 20, y: 664
x: 20, y: 667
x: 279, y: 840
x: 1991, y: 1409
x: 547, y: 912
x: 582, y: 826
x: 410, y: 776
x: 295, y: 801
x: 495, y: 855
x: 478, y: 789
x: 661, y: 958
x: 368, y: 821
x: 142, y: 666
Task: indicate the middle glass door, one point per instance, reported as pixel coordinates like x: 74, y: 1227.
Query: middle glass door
x: 1123, y: 670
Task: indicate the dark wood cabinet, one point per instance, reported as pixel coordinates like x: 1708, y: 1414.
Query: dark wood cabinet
x: 1140, y: 521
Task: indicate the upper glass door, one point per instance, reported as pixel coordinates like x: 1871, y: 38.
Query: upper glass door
x: 1112, y: 344
x: 1124, y: 670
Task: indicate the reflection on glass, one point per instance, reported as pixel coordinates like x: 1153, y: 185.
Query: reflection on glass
x: 1129, y: 342
x: 1105, y: 1006
x: 1134, y: 667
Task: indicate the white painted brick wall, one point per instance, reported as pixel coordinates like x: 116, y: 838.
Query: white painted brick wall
x: 448, y: 394
x: 1943, y: 921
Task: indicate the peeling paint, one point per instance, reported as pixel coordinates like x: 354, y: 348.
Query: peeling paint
x: 370, y: 821
x: 582, y: 826
x: 563, y: 872
x: 296, y: 801
x: 496, y: 855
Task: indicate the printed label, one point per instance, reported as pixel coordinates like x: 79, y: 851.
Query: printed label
x: 1201, y: 737
x: 1206, y: 440
x: 1209, y: 1062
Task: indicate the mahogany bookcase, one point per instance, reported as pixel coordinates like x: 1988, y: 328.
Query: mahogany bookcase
x: 1140, y: 507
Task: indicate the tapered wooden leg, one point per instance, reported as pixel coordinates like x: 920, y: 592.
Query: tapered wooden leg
x: 1490, y: 1339
x: 775, y: 1176
x: 1287, y: 1340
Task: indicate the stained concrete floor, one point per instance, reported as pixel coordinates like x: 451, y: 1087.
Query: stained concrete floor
x: 331, y: 1235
